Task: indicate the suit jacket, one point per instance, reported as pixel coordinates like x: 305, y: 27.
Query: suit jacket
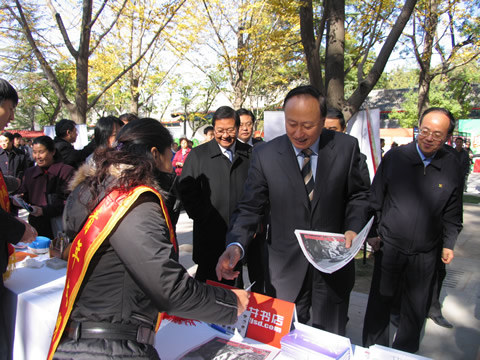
x: 339, y: 204
x: 210, y: 187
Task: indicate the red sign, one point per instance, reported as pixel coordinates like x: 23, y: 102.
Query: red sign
x: 270, y: 318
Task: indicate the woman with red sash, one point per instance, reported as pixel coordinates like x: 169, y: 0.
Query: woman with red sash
x: 123, y: 264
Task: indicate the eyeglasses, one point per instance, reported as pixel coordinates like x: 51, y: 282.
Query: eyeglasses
x: 230, y: 131
x: 437, y: 136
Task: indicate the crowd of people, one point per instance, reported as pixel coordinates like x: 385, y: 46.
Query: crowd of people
x: 246, y: 198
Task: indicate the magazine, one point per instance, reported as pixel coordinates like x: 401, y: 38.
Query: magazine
x: 219, y: 348
x: 327, y: 251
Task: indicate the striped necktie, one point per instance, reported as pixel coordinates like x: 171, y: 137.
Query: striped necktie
x: 307, y: 173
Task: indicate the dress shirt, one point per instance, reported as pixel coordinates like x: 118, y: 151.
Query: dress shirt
x: 313, y: 157
x: 426, y: 161
x: 225, y: 151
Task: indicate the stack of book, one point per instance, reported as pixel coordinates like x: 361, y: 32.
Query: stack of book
x: 305, y: 342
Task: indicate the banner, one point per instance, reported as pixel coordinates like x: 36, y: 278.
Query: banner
x: 365, y: 126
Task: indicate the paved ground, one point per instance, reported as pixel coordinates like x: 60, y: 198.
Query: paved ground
x: 460, y: 294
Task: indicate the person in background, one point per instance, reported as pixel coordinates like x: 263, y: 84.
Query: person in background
x: 210, y: 186
x: 464, y: 160
x: 106, y: 129
x: 126, y: 118
x: 247, y: 126
x: 20, y: 144
x: 209, y: 133
x: 256, y: 256
x: 180, y: 156
x: 336, y: 122
x: 45, y: 186
x: 13, y: 162
x: 14, y: 229
x: 135, y: 272
x: 66, y: 135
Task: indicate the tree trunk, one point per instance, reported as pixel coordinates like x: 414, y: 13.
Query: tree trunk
x: 425, y: 77
x: 334, y: 64
x: 312, y: 54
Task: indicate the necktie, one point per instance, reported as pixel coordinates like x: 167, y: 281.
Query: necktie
x: 229, y: 154
x: 307, y: 173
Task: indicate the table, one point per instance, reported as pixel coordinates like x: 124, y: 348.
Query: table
x: 32, y: 299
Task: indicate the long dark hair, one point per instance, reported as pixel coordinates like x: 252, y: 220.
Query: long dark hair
x: 131, y: 158
x: 104, y: 129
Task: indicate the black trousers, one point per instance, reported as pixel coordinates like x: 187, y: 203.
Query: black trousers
x: 328, y: 296
x: 440, y: 274
x: 415, y: 274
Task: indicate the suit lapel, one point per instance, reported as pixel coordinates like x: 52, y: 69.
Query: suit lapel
x: 288, y: 162
x: 325, y: 161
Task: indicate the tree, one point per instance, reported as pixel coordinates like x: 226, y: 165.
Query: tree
x: 250, y: 39
x: 196, y: 100
x: 367, y: 22
x: 135, y: 28
x: 437, y: 30
x: 88, y: 42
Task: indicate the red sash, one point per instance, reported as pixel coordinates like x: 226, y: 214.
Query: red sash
x: 98, y: 226
x: 4, y: 199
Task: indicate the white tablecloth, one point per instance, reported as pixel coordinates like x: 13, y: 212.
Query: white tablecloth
x: 32, y: 299
x: 31, y: 307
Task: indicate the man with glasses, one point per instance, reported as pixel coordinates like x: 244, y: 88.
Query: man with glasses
x: 211, y: 184
x: 417, y: 198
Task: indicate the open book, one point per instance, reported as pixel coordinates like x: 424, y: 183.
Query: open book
x: 326, y: 251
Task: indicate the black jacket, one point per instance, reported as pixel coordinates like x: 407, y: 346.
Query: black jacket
x: 210, y: 187
x: 13, y: 163
x: 417, y: 208
x: 70, y: 155
x: 134, y: 274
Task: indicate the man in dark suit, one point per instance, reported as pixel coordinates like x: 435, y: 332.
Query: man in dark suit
x: 247, y: 126
x: 66, y: 135
x: 210, y: 186
x: 337, y: 204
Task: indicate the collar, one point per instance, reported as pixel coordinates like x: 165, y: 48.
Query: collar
x: 426, y: 160
x: 223, y: 149
x: 249, y: 142
x: 314, y: 148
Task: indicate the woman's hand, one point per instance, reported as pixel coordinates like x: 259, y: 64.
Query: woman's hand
x: 243, y: 297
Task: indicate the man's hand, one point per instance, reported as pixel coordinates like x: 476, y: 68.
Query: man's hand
x: 375, y: 243
x: 37, y: 211
x: 447, y: 255
x: 243, y: 297
x: 349, y: 236
x: 226, y: 263
x: 30, y: 233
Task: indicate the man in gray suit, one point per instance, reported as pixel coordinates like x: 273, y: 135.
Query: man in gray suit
x: 309, y: 179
